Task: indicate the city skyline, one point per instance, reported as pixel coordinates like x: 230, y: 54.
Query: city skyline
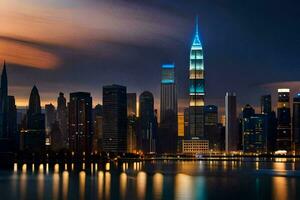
x: 172, y: 35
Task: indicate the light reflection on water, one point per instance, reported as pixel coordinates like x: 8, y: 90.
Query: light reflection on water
x: 155, y: 180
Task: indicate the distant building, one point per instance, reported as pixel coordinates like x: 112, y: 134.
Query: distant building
x: 254, y: 139
x: 284, y: 136
x: 270, y: 122
x: 168, y: 93
x: 80, y: 123
x: 131, y: 104
x: 132, y: 123
x: 12, y: 127
x: 98, y: 128
x: 33, y: 134
x: 147, y: 123
x: 62, y: 117
x: 195, y: 146
x: 296, y: 123
x: 214, y: 132
x: 9, y: 139
x: 3, y: 105
x: 211, y: 115
x: 231, y: 128
x: 114, y: 118
x: 132, y: 126
x: 266, y: 104
x: 168, y: 133
x: 50, y: 115
x: 186, y: 123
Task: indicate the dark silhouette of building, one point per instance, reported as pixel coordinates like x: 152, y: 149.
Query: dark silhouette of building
x: 80, y: 123
x: 62, y: 117
x: 50, y: 115
x: 296, y: 123
x: 231, y: 126
x: 266, y: 104
x: 147, y: 123
x: 186, y: 123
x: 33, y: 135
x: 98, y: 128
x: 214, y: 131
x: 132, y: 123
x: 132, y: 126
x: 3, y: 104
x: 210, y: 115
x: 131, y: 104
x: 57, y: 140
x: 270, y: 122
x: 284, y: 137
x: 12, y: 127
x: 114, y: 118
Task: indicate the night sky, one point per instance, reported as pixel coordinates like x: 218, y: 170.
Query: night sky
x: 251, y: 47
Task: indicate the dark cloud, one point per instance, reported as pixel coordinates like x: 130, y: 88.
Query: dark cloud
x: 247, y: 44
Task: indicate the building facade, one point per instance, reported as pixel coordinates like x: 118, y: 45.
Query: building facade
x: 196, y: 89
x: 114, y: 118
x: 284, y: 136
x: 296, y: 124
x: 131, y: 104
x: 231, y: 126
x: 62, y: 117
x: 147, y: 133
x: 80, y: 123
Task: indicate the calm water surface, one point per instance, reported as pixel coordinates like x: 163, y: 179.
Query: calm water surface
x: 180, y: 180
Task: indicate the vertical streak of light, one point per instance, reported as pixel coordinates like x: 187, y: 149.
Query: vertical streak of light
x: 65, y: 183
x: 82, y: 180
x: 107, y: 185
x: 123, y: 185
x: 141, y: 185
x: 100, y: 184
x: 158, y: 180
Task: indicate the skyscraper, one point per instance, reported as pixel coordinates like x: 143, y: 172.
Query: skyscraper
x: 168, y: 94
x: 114, y: 118
x: 167, y: 137
x: 211, y: 115
x: 8, y: 117
x: 296, y: 123
x: 254, y: 138
x: 265, y: 104
x: 196, y: 89
x: 132, y: 121
x: 131, y: 104
x: 284, y: 137
x: 50, y: 116
x: 231, y: 128
x: 270, y: 122
x: 80, y: 123
x: 3, y: 103
x: 12, y: 128
x: 147, y: 129
x: 33, y: 135
x: 62, y: 117
x: 98, y: 128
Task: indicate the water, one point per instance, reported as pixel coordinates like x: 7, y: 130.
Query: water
x: 180, y: 180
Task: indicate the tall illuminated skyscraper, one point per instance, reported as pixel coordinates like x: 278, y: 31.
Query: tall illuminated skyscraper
x: 196, y: 89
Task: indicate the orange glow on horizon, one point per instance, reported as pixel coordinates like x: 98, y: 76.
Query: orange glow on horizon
x: 25, y: 55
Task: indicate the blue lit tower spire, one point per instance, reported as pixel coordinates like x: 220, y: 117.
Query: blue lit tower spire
x: 196, y: 88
